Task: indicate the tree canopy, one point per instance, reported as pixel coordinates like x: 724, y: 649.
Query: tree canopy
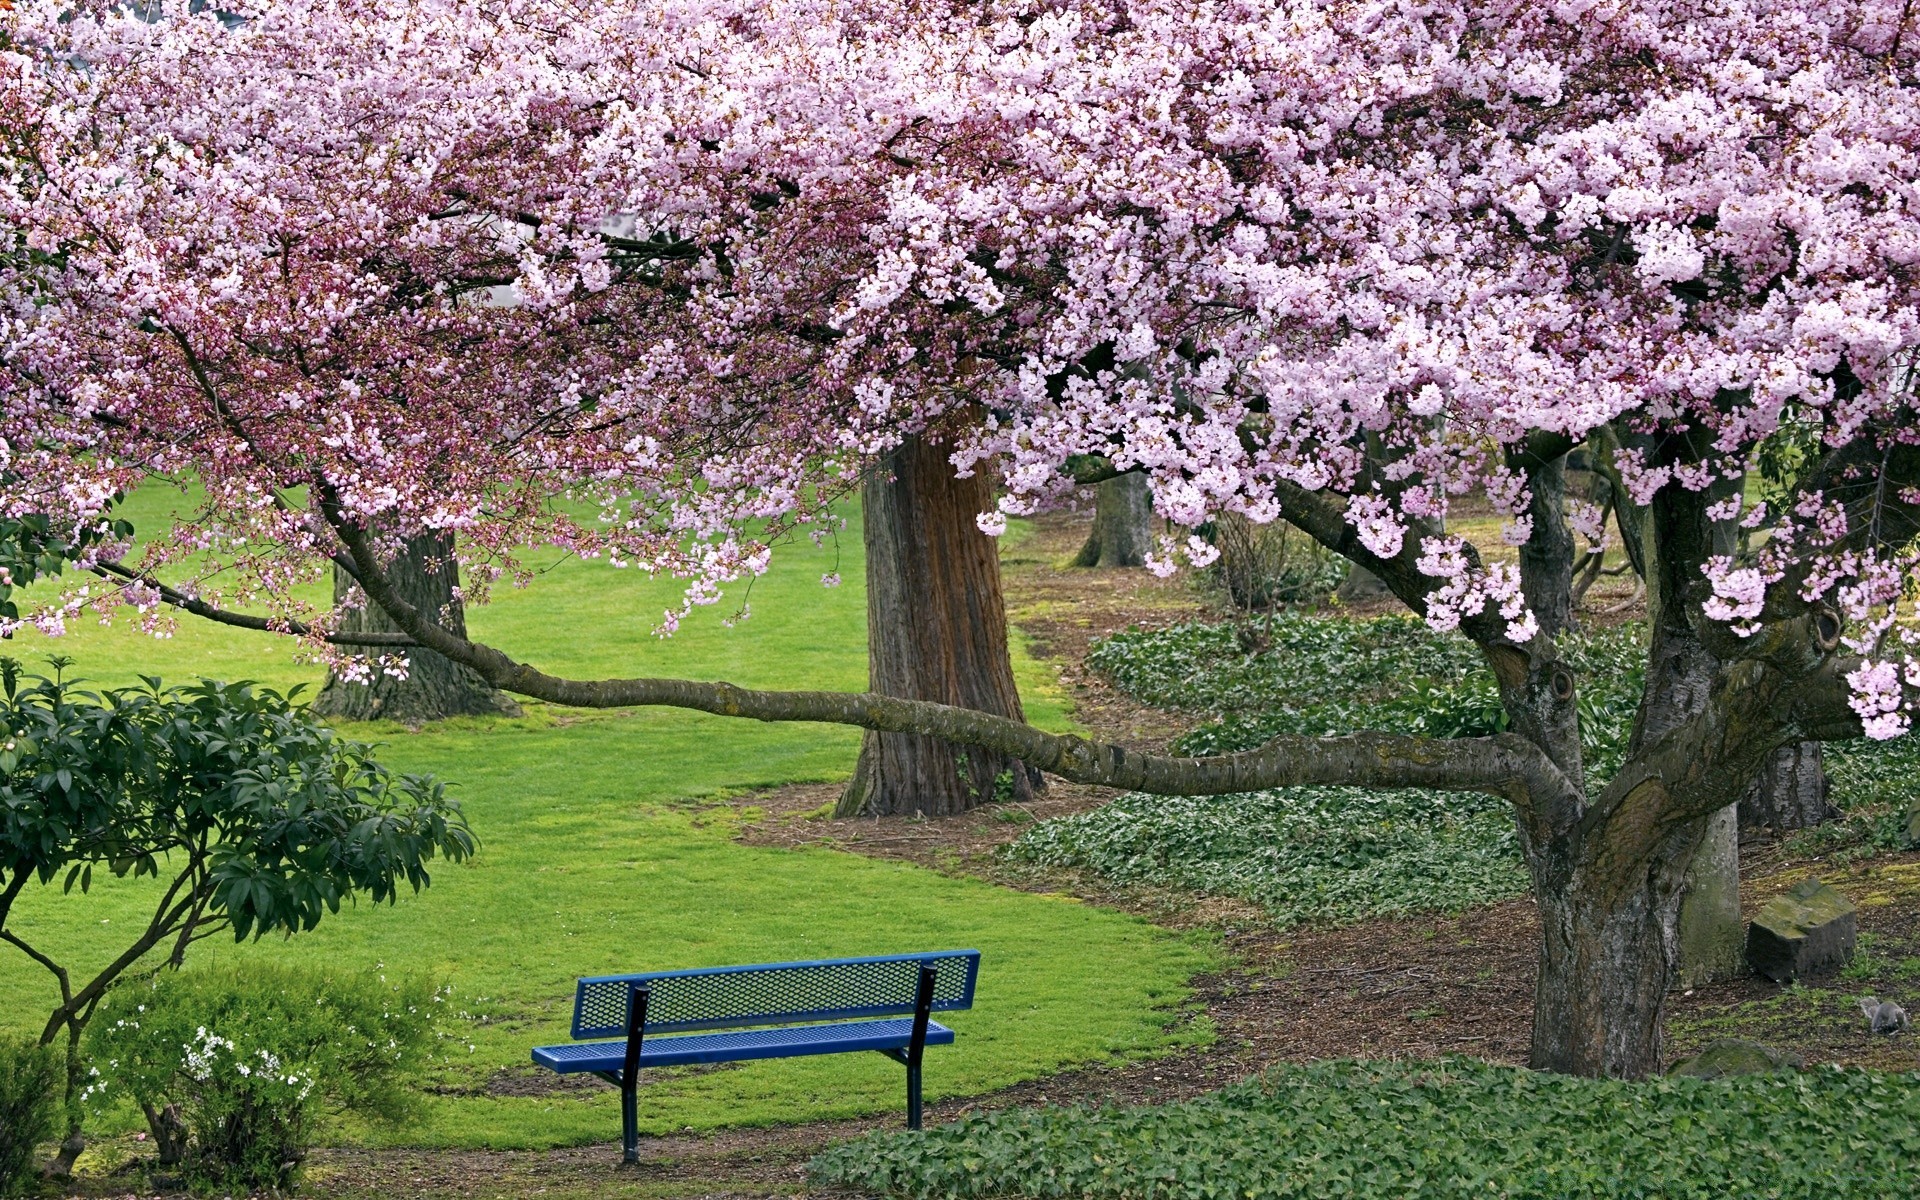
x: 361, y: 270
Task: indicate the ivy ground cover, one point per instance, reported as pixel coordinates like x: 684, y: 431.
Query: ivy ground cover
x: 1342, y: 853
x: 1427, y: 1131
x: 602, y: 850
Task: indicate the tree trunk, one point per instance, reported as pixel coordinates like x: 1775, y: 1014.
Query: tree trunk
x: 1713, y: 943
x: 1608, y: 956
x: 1122, y: 524
x: 1546, y: 571
x: 1790, y: 794
x: 427, y: 576
x: 936, y: 630
x: 1362, y: 585
x: 1610, y: 912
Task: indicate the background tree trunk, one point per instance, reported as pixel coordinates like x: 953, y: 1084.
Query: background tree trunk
x: 1122, y: 524
x: 1713, y: 944
x: 1362, y: 585
x: 426, y: 574
x: 1790, y: 794
x: 936, y: 630
x: 1546, y: 558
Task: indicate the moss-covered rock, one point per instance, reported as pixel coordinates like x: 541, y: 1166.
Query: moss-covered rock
x: 1807, y: 930
x: 1736, y: 1056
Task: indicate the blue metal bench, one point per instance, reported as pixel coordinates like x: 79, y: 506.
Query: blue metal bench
x: 772, y: 1010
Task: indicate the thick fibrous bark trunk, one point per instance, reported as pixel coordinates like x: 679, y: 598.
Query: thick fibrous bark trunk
x: 1790, y: 794
x: 427, y: 574
x: 936, y: 630
x: 1122, y: 524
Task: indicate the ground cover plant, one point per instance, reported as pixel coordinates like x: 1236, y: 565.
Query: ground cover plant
x: 1427, y: 1131
x: 1346, y: 853
x: 607, y: 848
x: 1331, y: 854
x: 1327, y: 853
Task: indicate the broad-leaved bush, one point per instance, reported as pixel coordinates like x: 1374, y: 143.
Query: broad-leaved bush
x: 233, y: 1066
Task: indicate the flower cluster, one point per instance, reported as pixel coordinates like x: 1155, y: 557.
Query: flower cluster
x: 694, y: 264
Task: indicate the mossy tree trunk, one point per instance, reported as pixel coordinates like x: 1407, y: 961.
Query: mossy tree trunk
x: 428, y: 574
x: 1122, y: 524
x: 936, y: 630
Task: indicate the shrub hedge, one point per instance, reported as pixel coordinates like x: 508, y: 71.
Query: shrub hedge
x: 232, y: 1065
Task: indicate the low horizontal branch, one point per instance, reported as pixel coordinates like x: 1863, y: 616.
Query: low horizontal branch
x: 1505, y: 765
x: 175, y: 598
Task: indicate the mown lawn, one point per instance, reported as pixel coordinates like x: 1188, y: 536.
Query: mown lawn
x: 603, y: 849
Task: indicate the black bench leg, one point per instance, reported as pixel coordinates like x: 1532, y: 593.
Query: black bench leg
x: 922, y: 1007
x: 630, y: 1074
x: 630, y: 1122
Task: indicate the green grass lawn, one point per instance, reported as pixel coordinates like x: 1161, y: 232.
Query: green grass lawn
x: 602, y: 850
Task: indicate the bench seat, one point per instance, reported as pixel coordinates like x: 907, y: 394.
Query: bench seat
x: 740, y: 1045
x: 623, y: 1024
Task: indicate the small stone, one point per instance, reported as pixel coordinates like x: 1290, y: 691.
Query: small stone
x: 1808, y: 930
x: 1736, y: 1056
x: 1913, y: 824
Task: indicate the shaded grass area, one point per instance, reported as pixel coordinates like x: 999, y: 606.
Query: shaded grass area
x: 604, y: 848
x: 1434, y: 1131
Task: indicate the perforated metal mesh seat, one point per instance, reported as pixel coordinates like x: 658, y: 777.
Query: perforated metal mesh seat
x: 766, y: 1010
x: 789, y: 1041
x: 774, y: 993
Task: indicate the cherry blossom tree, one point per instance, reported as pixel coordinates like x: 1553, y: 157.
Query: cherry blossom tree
x: 1331, y: 261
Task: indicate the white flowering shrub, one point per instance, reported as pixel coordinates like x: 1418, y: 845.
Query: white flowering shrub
x: 232, y: 1067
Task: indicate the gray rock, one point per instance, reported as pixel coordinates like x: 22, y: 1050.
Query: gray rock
x: 1807, y: 931
x: 1913, y: 824
x: 1737, y: 1056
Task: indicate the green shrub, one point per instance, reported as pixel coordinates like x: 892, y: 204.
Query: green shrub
x: 1427, y: 1131
x: 233, y: 1066
x: 31, y: 1080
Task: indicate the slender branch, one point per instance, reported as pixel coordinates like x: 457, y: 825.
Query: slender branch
x: 163, y: 925
x: 204, y: 381
x: 222, y: 616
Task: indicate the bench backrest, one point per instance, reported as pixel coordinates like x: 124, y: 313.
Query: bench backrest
x: 775, y: 993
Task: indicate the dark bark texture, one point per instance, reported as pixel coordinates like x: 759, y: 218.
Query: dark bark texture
x: 1790, y: 794
x: 1546, y: 558
x: 936, y: 630
x: 1122, y: 524
x: 427, y: 573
